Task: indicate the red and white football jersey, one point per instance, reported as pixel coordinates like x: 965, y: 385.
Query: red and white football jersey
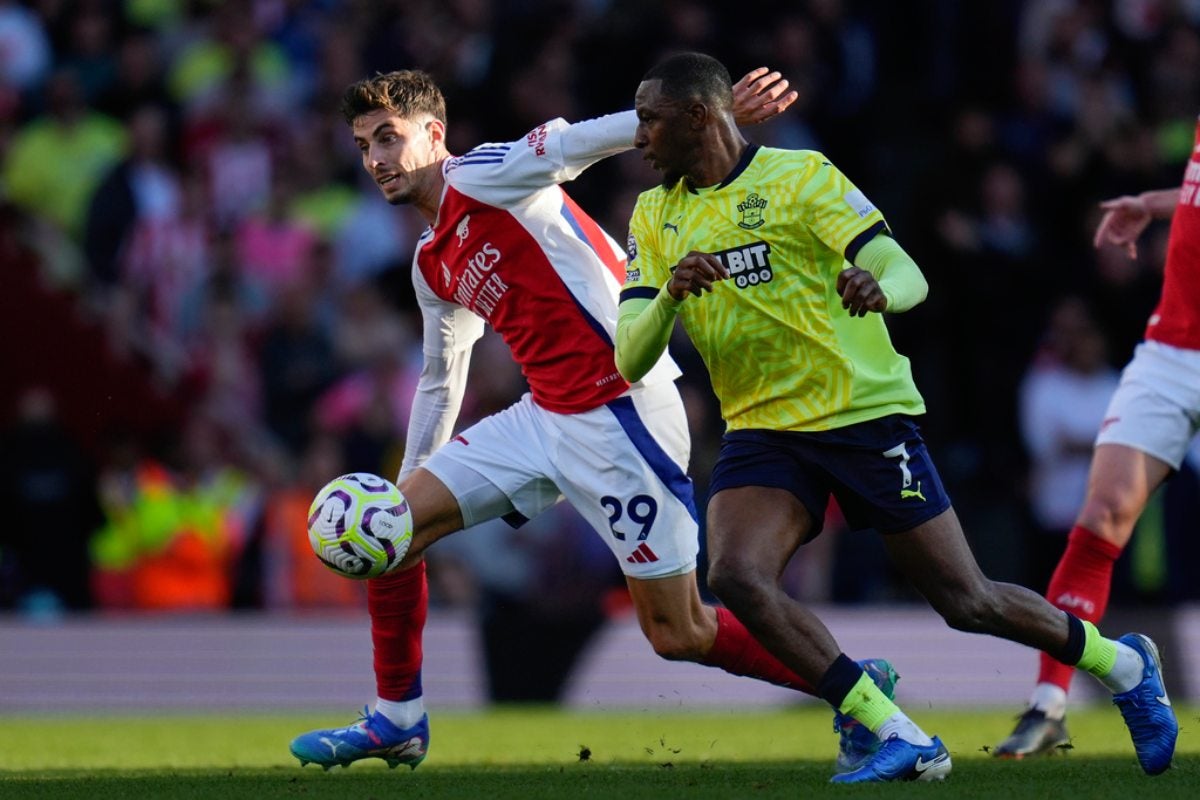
x: 513, y: 249
x: 1176, y: 320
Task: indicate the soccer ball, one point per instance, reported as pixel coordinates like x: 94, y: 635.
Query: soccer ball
x: 359, y: 525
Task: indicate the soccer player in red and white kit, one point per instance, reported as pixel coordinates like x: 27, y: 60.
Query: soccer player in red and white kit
x: 508, y: 247
x: 1149, y: 424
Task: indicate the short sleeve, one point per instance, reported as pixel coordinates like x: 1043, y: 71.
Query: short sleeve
x: 645, y: 271
x: 842, y: 215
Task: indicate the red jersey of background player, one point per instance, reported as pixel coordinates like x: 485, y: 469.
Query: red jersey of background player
x: 1176, y: 320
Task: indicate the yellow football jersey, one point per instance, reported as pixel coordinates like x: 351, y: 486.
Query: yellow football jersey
x: 781, y: 351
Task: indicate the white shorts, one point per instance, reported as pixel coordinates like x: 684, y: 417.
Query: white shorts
x: 622, y: 466
x: 1156, y: 407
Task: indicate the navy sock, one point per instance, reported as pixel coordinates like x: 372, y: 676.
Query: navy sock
x: 839, y: 679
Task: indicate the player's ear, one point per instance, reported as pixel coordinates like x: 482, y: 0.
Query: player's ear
x: 698, y: 114
x: 437, y: 132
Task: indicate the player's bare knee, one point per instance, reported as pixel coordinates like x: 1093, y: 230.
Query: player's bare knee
x: 962, y: 617
x: 1110, y: 511
x: 735, y: 583
x: 972, y: 610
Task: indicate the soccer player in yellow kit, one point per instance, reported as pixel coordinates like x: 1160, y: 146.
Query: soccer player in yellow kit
x: 780, y: 269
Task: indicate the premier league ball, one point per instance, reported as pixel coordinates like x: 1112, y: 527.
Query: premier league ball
x: 359, y: 525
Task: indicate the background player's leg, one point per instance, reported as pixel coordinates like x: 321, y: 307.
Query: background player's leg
x: 1119, y: 485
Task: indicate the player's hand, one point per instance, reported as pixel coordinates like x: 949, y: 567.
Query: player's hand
x: 695, y: 274
x: 760, y: 95
x: 1123, y: 222
x: 860, y: 292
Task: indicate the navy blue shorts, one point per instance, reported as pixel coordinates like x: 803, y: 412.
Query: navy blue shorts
x: 879, y: 471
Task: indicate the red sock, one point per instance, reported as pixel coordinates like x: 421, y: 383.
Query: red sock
x: 736, y: 651
x: 398, y: 604
x: 1080, y: 585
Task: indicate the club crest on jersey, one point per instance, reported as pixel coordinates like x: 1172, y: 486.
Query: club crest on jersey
x: 752, y: 211
x: 749, y: 264
x: 462, y: 231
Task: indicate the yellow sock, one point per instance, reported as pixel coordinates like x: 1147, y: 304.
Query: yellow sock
x: 868, y: 704
x: 1099, y: 654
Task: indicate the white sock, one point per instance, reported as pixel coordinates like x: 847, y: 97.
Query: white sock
x: 1050, y: 699
x: 1126, y: 672
x: 401, y: 713
x: 900, y: 726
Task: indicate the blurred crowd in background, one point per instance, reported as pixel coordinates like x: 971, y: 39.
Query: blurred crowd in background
x: 207, y: 311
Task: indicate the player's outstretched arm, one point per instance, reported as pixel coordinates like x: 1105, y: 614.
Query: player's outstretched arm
x: 558, y: 151
x: 760, y: 95
x: 1125, y: 218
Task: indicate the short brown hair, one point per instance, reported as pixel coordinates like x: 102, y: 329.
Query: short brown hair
x: 408, y: 92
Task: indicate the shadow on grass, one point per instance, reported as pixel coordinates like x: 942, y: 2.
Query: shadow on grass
x: 980, y: 779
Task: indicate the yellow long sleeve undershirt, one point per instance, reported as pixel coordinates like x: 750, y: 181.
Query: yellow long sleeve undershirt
x: 898, y: 275
x: 643, y: 330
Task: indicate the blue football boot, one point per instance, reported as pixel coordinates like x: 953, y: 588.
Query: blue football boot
x: 898, y: 760
x: 1147, y: 709
x: 373, y: 736
x: 856, y: 743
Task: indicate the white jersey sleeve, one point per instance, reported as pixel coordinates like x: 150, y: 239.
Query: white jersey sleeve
x: 450, y: 331
x: 550, y: 154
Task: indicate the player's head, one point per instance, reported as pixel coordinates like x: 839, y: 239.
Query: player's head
x: 694, y: 77
x: 407, y: 93
x: 678, y: 102
x: 399, y: 124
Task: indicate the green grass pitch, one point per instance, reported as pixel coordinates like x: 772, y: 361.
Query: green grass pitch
x: 553, y: 753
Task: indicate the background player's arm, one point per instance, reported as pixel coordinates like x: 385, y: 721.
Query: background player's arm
x: 449, y: 333
x: 1126, y: 217
x: 883, y: 278
x: 644, y: 326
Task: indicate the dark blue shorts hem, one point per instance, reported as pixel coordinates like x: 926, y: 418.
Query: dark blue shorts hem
x: 879, y: 472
